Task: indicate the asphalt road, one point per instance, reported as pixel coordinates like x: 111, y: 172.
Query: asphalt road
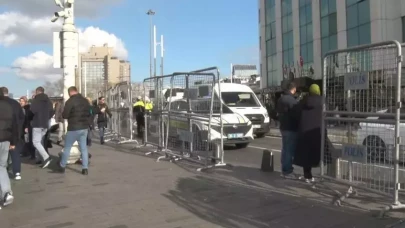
x: 252, y: 155
x: 376, y: 176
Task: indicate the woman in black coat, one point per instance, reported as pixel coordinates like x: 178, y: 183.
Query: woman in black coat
x: 308, y: 152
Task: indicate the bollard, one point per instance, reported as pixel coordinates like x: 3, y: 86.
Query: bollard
x: 267, y: 161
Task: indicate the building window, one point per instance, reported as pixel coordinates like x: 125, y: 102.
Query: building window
x: 328, y: 26
x: 287, y: 29
x: 306, y: 34
x: 271, y: 47
x: 93, y: 78
x: 358, y: 22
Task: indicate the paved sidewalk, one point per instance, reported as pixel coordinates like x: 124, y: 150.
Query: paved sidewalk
x: 125, y: 190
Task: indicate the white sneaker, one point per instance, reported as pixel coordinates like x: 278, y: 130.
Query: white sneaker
x: 8, y: 199
x: 312, y: 180
x: 17, y: 176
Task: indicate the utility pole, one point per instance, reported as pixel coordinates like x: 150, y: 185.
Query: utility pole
x: 162, y: 53
x: 66, y: 56
x: 151, y: 13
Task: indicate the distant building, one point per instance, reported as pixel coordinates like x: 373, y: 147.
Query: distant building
x: 98, y: 69
x: 244, y: 71
x: 301, y: 32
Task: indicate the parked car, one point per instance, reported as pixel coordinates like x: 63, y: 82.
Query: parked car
x: 379, y: 138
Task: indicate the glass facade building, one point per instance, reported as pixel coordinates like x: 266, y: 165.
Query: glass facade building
x: 291, y: 30
x: 93, y: 77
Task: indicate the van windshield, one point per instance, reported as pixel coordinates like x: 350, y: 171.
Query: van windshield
x: 239, y: 99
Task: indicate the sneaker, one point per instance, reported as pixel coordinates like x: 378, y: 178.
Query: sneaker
x: 46, y: 163
x: 17, y: 176
x: 289, y: 176
x: 307, y: 180
x: 85, y: 172
x: 38, y: 162
x: 8, y: 199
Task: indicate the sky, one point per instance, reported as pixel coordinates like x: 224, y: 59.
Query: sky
x: 197, y: 34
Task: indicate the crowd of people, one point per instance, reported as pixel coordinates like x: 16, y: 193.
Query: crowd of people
x: 25, y: 129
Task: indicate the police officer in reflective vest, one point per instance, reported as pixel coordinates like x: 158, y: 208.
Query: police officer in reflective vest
x: 148, y: 105
x: 139, y: 110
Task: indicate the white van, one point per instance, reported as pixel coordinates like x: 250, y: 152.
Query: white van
x: 242, y: 100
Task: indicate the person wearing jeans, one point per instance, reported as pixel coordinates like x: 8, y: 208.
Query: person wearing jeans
x: 15, y: 154
x: 288, y: 119
x: 9, y: 135
x: 42, y: 112
x: 102, y: 112
x: 77, y: 112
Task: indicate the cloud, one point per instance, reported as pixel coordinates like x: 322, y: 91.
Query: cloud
x: 39, y: 8
x: 98, y: 37
x: 17, y: 29
x: 38, y: 65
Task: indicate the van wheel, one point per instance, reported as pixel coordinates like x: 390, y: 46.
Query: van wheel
x: 260, y: 135
x: 241, y: 145
x: 375, y: 148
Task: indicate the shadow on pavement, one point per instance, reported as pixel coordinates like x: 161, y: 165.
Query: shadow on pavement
x: 233, y: 205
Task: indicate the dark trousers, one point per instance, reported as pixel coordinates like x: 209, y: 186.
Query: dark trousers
x: 308, y: 172
x: 140, y: 122
x: 46, y: 142
x: 16, y: 158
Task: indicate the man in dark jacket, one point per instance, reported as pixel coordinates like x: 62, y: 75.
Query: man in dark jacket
x: 288, y: 121
x: 8, y: 138
x: 19, y: 145
x: 77, y: 113
x: 42, y: 111
x: 102, y: 111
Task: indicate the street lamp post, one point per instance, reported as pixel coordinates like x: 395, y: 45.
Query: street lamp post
x: 151, y: 13
x: 66, y: 56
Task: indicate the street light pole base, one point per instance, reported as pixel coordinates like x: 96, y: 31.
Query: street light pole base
x: 75, y: 154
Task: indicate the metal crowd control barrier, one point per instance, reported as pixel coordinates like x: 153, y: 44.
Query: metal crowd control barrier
x: 186, y: 121
x: 120, y: 125
x: 362, y: 90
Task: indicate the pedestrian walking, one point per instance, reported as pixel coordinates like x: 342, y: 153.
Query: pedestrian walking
x: 288, y: 121
x: 138, y: 110
x: 15, y: 153
x: 42, y: 112
x: 58, y: 108
x: 91, y: 120
x: 77, y: 112
x: 8, y: 138
x: 103, y: 113
x: 29, y: 149
x: 308, y: 152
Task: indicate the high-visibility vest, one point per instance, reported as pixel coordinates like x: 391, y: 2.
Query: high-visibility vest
x: 139, y: 103
x: 148, y: 106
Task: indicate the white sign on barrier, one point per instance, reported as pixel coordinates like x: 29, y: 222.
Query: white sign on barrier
x: 354, y: 153
x: 356, y: 81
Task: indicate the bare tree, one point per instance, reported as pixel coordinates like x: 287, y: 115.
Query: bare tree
x: 54, y: 88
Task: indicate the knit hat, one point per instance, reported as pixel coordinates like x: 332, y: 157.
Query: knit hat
x: 314, y: 90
